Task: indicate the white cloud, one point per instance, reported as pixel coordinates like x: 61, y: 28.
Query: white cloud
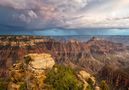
x: 27, y: 17
x: 68, y: 5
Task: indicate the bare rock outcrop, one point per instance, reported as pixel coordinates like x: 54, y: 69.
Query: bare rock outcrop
x: 85, y: 77
x: 39, y: 61
x: 31, y: 72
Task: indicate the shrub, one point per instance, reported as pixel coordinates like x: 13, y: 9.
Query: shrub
x: 104, y: 85
x: 89, y: 87
x: 23, y: 86
x: 27, y: 59
x: 62, y: 78
x: 3, y: 84
x: 91, y: 84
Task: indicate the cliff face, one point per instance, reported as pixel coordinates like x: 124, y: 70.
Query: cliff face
x: 91, y: 56
x: 118, y: 78
x: 30, y: 74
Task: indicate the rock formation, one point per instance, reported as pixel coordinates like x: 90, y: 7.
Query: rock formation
x: 30, y: 74
x: 85, y: 77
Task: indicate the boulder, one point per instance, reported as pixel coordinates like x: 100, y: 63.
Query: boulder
x: 86, y: 76
x: 97, y: 88
x: 40, y: 61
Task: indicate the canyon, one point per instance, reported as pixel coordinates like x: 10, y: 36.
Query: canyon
x: 105, y: 59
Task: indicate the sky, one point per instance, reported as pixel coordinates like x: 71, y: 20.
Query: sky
x: 64, y: 17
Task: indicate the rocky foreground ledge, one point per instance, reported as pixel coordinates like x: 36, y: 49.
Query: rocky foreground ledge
x: 37, y: 72
x: 31, y: 71
x: 39, y: 62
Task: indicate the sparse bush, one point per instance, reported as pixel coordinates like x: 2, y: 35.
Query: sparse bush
x: 91, y: 84
x: 104, y: 85
x: 3, y: 84
x: 89, y: 87
x: 27, y: 59
x: 23, y: 86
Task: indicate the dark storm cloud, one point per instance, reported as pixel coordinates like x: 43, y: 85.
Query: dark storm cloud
x: 74, y: 16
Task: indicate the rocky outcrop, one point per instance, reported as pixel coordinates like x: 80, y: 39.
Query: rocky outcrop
x: 30, y: 74
x: 85, y: 77
x: 39, y: 61
x: 97, y: 88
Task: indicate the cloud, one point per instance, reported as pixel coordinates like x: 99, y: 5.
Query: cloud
x: 68, y: 5
x: 69, y: 14
x: 20, y: 4
x: 30, y: 12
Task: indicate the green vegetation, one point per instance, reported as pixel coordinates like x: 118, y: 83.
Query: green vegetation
x: 104, y: 85
x: 89, y: 87
x: 62, y: 78
x: 27, y: 59
x: 91, y: 84
x: 23, y: 86
x: 3, y: 84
